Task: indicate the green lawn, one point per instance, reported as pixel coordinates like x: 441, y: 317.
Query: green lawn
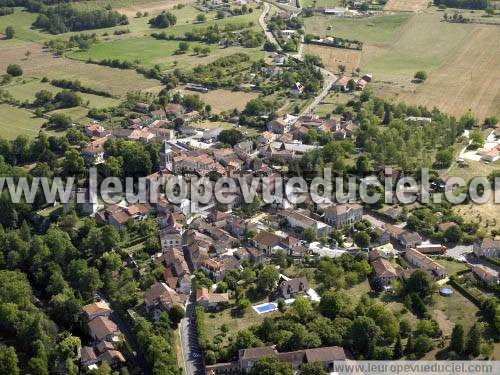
x: 15, y: 121
x: 27, y: 88
x: 451, y: 266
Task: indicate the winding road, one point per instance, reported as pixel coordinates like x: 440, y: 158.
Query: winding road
x: 330, y: 78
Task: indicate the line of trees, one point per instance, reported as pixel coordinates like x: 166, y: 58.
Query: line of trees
x: 77, y: 86
x: 464, y: 4
x: 64, y: 18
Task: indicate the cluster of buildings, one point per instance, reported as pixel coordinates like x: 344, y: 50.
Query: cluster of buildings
x: 104, y: 334
x: 342, y: 83
x: 326, y: 356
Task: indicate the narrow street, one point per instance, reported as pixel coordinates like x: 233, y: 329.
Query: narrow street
x: 193, y: 359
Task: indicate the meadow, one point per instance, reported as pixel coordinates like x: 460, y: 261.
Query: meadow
x: 15, y: 121
x: 224, y: 100
x: 25, y: 89
x: 461, y: 59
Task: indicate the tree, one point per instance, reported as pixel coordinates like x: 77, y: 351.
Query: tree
x: 302, y: 308
x: 473, y: 344
x: 8, y: 361
x: 201, y: 17
x: 220, y: 14
x: 362, y: 239
x: 69, y: 347
x: 267, y: 278
x: 309, y: 235
x: 457, y: 339
x: 313, y: 368
x: 243, y: 304
x: 183, y: 46
x: 410, y: 346
x: 60, y: 121
x: 423, y: 344
x: 420, y: 283
x: 163, y: 20
x: 398, y: 348
x: 364, y: 334
x: 270, y: 46
x: 421, y: 75
x: 270, y: 366
x: 14, y: 70
x: 230, y: 136
x: 333, y: 304
x: 444, y: 158
x: 73, y: 163
x: 176, y: 313
x: 453, y: 234
x: 9, y: 32
x: 351, y: 85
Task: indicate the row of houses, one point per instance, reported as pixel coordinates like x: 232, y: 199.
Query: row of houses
x: 105, y: 336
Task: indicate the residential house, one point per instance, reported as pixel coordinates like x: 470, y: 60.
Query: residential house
x: 342, y: 214
x: 361, y: 84
x: 105, y: 351
x: 296, y: 89
x: 175, y: 109
x: 383, y: 271
x: 402, y: 237
x: 292, y: 288
x: 278, y: 126
x: 326, y: 356
x: 93, y: 152
x: 342, y: 84
x: 300, y: 219
x: 95, y: 130
x: 266, y: 241
x: 102, y: 328
x: 96, y: 309
x: 162, y: 297
x: 489, y: 247
x: 171, y: 235
x: 425, y: 263
x: 338, y: 11
x: 485, y: 274
x: 212, y: 268
x: 209, y: 300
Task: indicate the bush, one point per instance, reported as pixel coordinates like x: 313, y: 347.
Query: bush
x: 14, y: 70
x: 421, y: 75
x: 9, y: 32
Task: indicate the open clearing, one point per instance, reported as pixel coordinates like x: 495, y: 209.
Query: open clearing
x: 333, y: 57
x: 149, y: 52
x: 461, y: 59
x: 44, y: 64
x: 223, y: 100
x: 15, y: 121
x: 26, y: 90
x: 406, y: 5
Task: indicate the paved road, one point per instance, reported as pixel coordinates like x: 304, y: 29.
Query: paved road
x: 262, y: 21
x: 193, y: 360
x: 330, y: 78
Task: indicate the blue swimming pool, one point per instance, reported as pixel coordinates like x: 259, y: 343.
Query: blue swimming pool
x: 266, y: 308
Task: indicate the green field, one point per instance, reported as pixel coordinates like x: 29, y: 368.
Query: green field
x: 26, y: 89
x: 15, y: 121
x: 149, y: 52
